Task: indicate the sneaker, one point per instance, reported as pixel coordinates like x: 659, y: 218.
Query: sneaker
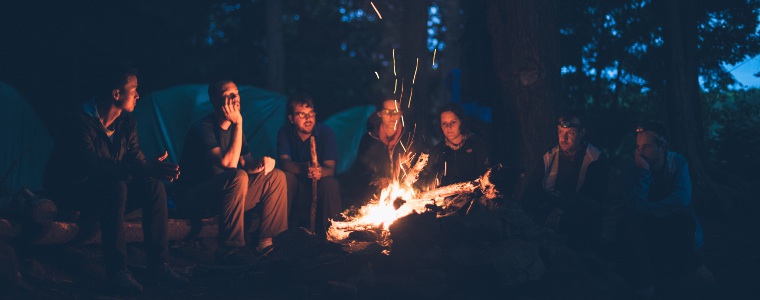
x: 233, y: 256
x: 264, y: 253
x: 123, y: 282
x: 165, y: 276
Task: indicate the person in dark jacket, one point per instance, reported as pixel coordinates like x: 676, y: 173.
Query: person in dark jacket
x: 567, y: 188
x: 461, y: 156
x: 97, y: 168
x: 382, y: 152
x: 661, y: 229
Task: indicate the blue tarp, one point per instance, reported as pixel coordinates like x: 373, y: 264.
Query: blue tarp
x: 164, y: 116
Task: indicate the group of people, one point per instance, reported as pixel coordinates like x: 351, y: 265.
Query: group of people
x: 97, y: 168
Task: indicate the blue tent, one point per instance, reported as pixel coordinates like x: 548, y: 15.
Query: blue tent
x: 164, y: 116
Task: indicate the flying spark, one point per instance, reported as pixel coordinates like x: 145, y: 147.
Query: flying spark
x: 395, y: 84
x: 378, y: 75
x: 415, y: 70
x: 411, y: 92
x: 394, y: 62
x: 434, y: 51
x: 378, y: 12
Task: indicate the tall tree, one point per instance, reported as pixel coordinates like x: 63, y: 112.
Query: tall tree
x: 526, y: 60
x: 275, y: 46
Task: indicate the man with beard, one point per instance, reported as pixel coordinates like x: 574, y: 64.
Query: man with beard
x: 569, y: 185
x: 661, y: 231
x: 294, y: 151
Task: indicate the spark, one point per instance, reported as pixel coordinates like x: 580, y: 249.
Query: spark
x: 437, y: 182
x: 434, y: 51
x: 411, y: 92
x: 378, y: 75
x: 402, y: 145
x: 396, y: 104
x: 444, y: 168
x: 415, y: 70
x: 402, y: 89
x: 394, y: 62
x: 401, y: 164
x: 378, y: 12
x: 402, y: 123
x: 394, y: 125
x: 395, y: 84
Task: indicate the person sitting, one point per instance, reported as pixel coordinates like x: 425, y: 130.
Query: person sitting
x: 381, y: 151
x: 221, y: 177
x: 661, y: 230
x: 294, y: 151
x: 461, y: 156
x: 568, y: 186
x: 97, y: 168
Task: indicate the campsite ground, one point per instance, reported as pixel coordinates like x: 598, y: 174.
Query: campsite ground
x: 732, y: 254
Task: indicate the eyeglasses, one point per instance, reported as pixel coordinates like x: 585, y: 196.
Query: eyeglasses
x: 390, y: 112
x: 303, y: 115
x: 647, y: 131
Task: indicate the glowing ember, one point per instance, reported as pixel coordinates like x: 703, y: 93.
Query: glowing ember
x: 394, y: 62
x: 378, y: 75
x: 415, y: 70
x: 411, y: 92
x: 434, y: 51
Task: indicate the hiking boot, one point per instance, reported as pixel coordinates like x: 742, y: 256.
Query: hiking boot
x: 123, y: 282
x: 233, y: 256
x: 165, y: 276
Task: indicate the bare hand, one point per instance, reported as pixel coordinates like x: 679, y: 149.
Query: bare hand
x: 268, y: 164
x: 315, y: 172
x: 160, y: 169
x: 231, y: 110
x: 640, y: 161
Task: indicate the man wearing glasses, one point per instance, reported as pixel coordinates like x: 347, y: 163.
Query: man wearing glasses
x: 294, y: 151
x: 220, y: 177
x: 662, y: 230
x: 568, y: 189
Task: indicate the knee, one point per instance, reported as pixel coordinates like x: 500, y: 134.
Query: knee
x: 289, y: 177
x: 236, y: 179
x: 277, y: 176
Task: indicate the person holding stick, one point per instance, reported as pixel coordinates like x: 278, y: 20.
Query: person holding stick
x: 308, y: 153
x: 221, y: 177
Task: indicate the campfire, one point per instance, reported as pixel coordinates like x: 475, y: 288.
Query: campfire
x: 399, y: 199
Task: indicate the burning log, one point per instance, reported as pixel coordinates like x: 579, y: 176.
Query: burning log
x: 413, y: 174
x: 483, y: 184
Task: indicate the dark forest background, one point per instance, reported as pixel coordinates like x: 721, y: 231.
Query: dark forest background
x: 617, y: 61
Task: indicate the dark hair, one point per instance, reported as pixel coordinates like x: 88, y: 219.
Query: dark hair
x: 457, y: 111
x: 114, y: 77
x: 661, y: 132
x: 380, y: 101
x: 299, y: 99
x: 215, y: 88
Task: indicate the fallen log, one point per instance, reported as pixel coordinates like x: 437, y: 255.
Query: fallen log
x: 8, y: 230
x: 64, y: 232
x: 483, y: 184
x: 28, y: 208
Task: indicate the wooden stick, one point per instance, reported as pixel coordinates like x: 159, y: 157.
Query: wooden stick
x: 314, y: 163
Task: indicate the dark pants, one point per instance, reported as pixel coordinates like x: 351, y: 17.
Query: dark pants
x: 581, y: 219
x: 300, y: 197
x: 234, y: 192
x: 107, y: 200
x: 657, y: 247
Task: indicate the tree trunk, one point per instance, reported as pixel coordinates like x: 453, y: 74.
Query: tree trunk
x: 525, y: 38
x: 683, y: 105
x: 275, y: 46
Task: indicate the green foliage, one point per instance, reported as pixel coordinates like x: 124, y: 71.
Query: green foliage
x: 733, y: 124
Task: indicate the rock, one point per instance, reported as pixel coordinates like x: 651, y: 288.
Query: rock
x: 413, y: 236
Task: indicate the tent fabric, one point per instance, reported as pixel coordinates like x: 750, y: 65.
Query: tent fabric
x: 164, y: 117
x: 25, y: 144
x: 349, y: 126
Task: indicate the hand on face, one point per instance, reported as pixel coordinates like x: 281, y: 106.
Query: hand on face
x: 268, y: 164
x: 231, y: 110
x: 640, y: 161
